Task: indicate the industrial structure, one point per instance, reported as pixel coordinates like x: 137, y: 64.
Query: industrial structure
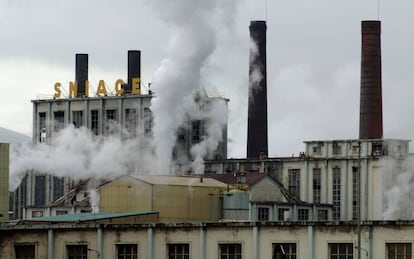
x: 124, y: 112
x: 83, y: 237
x: 328, y: 202
x: 4, y: 181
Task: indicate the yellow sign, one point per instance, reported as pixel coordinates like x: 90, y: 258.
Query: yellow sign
x: 101, y: 90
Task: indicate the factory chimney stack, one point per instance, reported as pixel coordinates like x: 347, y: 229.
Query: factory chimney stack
x: 370, y: 117
x: 81, y: 75
x: 257, y: 145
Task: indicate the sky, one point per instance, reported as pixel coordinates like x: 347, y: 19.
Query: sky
x: 313, y: 60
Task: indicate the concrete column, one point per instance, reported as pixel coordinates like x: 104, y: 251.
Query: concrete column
x: 256, y: 243
x: 202, y: 243
x: 99, y: 241
x: 311, y: 242
x: 150, y: 243
x: 50, y: 244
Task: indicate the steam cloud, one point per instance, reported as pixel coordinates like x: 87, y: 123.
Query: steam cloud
x: 195, y: 26
x: 79, y: 154
x: 256, y: 75
x: 398, y: 185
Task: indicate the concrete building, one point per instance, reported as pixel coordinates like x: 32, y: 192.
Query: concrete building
x: 4, y: 181
x: 73, y: 238
x: 352, y: 176
x: 176, y: 198
x: 124, y: 112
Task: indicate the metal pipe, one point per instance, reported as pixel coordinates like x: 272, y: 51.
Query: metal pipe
x: 311, y: 242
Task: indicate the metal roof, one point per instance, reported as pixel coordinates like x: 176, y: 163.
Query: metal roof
x: 80, y: 217
x: 194, y: 181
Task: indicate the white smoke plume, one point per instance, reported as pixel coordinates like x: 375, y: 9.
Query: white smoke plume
x: 195, y: 26
x: 398, y: 185
x: 79, y: 154
x: 255, y: 69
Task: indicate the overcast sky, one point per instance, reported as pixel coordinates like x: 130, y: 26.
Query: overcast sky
x: 313, y: 55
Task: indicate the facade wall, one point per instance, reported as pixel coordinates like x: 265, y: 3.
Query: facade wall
x: 126, y: 194
x: 4, y: 181
x: 257, y: 240
x: 362, y: 171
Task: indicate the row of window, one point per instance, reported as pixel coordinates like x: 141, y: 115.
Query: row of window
x: 111, y: 115
x: 294, y: 188
x: 225, y: 250
x: 264, y: 214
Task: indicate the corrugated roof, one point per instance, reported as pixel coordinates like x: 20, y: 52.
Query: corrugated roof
x: 80, y: 217
x: 196, y: 181
x: 251, y: 178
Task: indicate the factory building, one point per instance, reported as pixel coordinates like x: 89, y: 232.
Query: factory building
x: 94, y: 236
x: 123, y: 111
x: 4, y: 181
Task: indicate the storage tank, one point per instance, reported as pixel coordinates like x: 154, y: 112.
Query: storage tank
x: 236, y: 205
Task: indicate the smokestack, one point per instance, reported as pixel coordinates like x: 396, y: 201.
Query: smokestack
x: 134, y: 69
x: 81, y: 73
x: 370, y: 113
x: 257, y: 110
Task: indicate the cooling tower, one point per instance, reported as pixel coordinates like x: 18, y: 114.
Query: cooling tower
x: 257, y: 145
x: 370, y: 118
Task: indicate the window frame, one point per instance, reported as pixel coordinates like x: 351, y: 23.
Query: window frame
x: 81, y: 245
x: 396, y: 255
x: 31, y: 245
x: 286, y: 246
x: 238, y: 254
x: 337, y: 254
x: 185, y: 253
x: 128, y: 254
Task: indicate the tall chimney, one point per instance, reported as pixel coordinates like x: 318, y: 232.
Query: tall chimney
x: 257, y: 110
x: 81, y: 73
x: 134, y: 68
x: 370, y: 113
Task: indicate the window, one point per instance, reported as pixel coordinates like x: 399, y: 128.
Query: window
x: 336, y: 148
x: 61, y: 212
x: 58, y: 187
x: 77, y: 119
x: 59, y: 120
x: 316, y: 185
x: 42, y: 126
x: 355, y: 148
x: 196, y: 127
x: 284, y: 214
x: 95, y: 122
x: 178, y: 251
x: 77, y: 251
x: 263, y: 214
x: 284, y: 251
x: 322, y: 214
x: 230, y: 251
x: 303, y: 214
x: 40, y: 190
x: 148, y: 121
x: 24, y: 251
x: 294, y: 181
x: 341, y: 250
x: 111, y: 115
x: 355, y: 193
x: 399, y: 251
x: 181, y: 135
x: 127, y: 251
x: 37, y: 214
x: 111, y: 124
x: 317, y: 150
x: 131, y: 121
x: 336, y: 193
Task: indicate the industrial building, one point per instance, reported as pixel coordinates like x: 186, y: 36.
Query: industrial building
x: 4, y: 181
x: 71, y: 236
x: 124, y: 112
